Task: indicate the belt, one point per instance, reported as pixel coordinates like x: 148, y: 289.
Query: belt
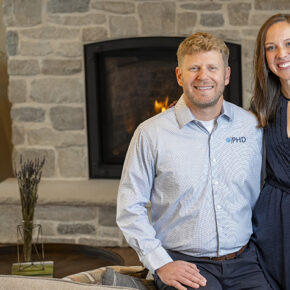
x: 226, y: 257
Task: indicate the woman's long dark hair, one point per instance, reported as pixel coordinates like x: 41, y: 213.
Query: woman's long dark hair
x: 265, y: 101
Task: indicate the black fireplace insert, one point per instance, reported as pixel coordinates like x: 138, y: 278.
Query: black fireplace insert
x: 127, y: 82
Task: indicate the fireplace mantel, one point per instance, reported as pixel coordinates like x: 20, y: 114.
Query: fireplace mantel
x: 65, y: 192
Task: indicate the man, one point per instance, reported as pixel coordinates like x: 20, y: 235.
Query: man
x: 199, y: 164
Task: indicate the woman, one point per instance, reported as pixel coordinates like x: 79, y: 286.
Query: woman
x: 270, y: 103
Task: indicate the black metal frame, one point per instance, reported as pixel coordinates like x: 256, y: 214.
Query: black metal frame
x: 94, y: 98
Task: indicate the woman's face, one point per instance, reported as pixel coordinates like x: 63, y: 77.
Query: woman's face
x: 277, y: 48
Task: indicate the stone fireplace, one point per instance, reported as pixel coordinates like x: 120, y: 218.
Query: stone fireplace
x: 124, y: 77
x: 128, y: 81
x: 45, y: 50
x: 45, y: 41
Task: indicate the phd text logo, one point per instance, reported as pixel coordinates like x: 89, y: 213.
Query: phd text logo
x: 236, y: 139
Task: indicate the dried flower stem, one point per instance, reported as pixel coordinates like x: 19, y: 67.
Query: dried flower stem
x: 28, y: 177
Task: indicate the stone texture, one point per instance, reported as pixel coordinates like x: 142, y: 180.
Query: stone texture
x: 247, y: 99
x: 72, y: 162
x: 120, y: 7
x: 17, y: 90
x: 7, y: 11
x: 186, y: 22
x: 213, y: 19
x: 51, y: 32
x: 17, y: 135
x: 7, y: 7
x: 49, y: 137
x: 258, y: 18
x: 63, y: 213
x: 61, y: 67
x: 39, y: 48
x: 100, y: 242
x: 10, y: 218
x: 228, y: 35
x: 123, y: 26
x: 27, y: 12
x: 248, y: 47
x: 69, y: 49
x: 27, y: 114
x: 23, y: 67
x: 94, y: 34
x: 239, y: 13
x: 77, y: 20
x: 53, y: 90
x: 248, y: 82
x: 11, y: 43
x: 209, y: 6
x: 108, y: 233
x: 50, y: 214
x: 124, y: 243
x: 75, y: 229
x: 60, y: 239
x: 250, y: 33
x: 61, y: 34
x: 49, y: 166
x: 272, y: 5
x: 67, y: 118
x: 157, y: 18
x: 67, y: 6
x: 48, y: 227
x: 107, y: 216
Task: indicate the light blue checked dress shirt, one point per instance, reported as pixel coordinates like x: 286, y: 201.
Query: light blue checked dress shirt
x: 202, y: 186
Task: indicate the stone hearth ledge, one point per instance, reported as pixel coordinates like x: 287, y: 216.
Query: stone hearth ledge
x: 72, y: 192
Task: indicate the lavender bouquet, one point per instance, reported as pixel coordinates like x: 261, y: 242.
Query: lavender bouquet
x: 28, y: 176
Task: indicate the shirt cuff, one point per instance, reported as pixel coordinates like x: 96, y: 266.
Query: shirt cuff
x: 156, y: 259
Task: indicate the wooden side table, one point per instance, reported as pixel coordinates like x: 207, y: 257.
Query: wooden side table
x: 68, y: 258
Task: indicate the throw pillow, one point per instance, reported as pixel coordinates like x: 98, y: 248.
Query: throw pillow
x: 112, y: 278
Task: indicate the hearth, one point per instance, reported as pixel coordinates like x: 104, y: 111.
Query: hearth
x: 124, y: 79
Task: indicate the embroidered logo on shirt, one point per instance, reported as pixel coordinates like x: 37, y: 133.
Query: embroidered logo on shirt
x: 236, y: 139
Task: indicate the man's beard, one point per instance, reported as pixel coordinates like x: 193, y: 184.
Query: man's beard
x: 201, y: 105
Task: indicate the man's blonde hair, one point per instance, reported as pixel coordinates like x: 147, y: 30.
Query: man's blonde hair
x: 199, y: 42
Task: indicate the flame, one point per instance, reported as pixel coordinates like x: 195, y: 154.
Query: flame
x: 161, y: 106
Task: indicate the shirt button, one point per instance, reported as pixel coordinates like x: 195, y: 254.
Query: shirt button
x: 214, y: 160
x: 218, y: 206
x: 215, y: 182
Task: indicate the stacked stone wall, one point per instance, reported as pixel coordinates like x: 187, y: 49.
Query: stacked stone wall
x: 45, y: 41
x: 86, y: 225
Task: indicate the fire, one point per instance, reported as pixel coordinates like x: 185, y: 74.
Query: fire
x: 161, y: 106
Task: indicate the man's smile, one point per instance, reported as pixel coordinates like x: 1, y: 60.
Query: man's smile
x: 203, y: 88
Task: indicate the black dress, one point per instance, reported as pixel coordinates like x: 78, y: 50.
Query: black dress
x: 271, y: 216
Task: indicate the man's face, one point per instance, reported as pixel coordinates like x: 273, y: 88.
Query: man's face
x: 203, y: 77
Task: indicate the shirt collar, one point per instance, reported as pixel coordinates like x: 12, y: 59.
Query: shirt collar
x: 227, y: 111
x: 185, y: 116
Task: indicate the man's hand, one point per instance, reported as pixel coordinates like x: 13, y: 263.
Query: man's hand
x: 180, y: 272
